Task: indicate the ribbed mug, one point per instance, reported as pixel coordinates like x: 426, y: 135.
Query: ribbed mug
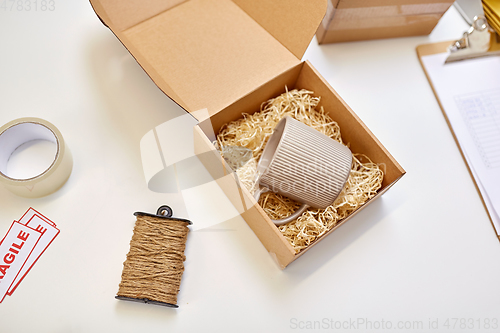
x: 304, y: 165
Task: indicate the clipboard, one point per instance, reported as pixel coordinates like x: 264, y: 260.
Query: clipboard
x: 435, y: 49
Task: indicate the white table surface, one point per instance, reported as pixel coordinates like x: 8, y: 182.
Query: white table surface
x: 423, y: 254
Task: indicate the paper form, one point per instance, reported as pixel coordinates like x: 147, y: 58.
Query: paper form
x: 469, y: 92
x: 479, y: 111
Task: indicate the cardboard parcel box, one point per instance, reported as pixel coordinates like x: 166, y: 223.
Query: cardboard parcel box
x: 229, y: 56
x: 352, y: 20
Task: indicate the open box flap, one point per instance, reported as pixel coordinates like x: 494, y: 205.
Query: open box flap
x: 292, y: 22
x: 210, y: 53
x: 120, y: 15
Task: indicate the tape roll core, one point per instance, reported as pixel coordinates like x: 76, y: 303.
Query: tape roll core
x: 20, y: 131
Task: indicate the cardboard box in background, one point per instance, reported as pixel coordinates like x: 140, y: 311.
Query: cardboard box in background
x: 229, y: 56
x: 355, y: 20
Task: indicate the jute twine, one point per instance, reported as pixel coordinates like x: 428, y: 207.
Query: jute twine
x: 155, y: 262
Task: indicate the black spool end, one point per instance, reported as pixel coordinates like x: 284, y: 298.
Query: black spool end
x: 146, y: 301
x: 164, y: 212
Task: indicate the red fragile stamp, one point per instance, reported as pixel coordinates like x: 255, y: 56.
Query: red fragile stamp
x: 21, y: 247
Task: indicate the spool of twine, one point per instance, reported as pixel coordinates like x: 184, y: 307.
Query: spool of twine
x: 154, y: 266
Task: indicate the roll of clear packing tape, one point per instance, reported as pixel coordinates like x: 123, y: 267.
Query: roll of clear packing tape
x: 20, y: 131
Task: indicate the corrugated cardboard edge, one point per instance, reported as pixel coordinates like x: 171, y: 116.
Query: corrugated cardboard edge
x: 434, y: 48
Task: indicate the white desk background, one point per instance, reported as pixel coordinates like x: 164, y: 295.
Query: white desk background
x: 423, y: 253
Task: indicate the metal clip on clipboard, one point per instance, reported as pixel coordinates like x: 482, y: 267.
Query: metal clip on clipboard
x: 479, y: 41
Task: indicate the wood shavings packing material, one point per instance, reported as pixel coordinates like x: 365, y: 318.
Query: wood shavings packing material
x: 253, y: 131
